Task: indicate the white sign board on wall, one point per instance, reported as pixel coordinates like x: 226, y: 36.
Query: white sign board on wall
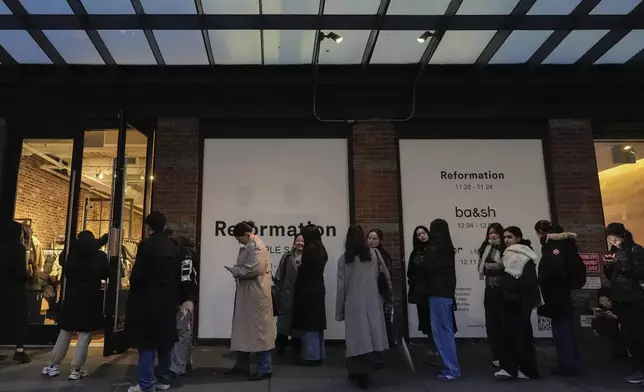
x: 470, y: 184
x: 280, y: 184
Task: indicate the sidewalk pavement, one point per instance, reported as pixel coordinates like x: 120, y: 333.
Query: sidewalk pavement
x: 601, y: 373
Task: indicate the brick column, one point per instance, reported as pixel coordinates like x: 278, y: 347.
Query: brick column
x: 176, y: 173
x: 577, y: 196
x: 375, y: 168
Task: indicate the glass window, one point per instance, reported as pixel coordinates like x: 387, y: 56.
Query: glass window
x: 57, y: 7
x: 621, y: 169
x: 4, y: 10
x: 182, y: 47
x: 520, y: 46
x: 236, y: 46
x: 628, y: 47
x: 298, y: 7
x: 343, y: 7
x: 42, y: 207
x: 231, y: 6
x: 417, y: 7
x: 615, y: 7
x: 75, y: 46
x: 22, y: 47
x: 487, y: 7
x: 461, y: 47
x: 170, y: 7
x: 111, y: 7
x: 575, y: 45
x: 398, y: 47
x: 288, y: 46
x: 349, y: 51
x: 128, y: 47
x: 553, y: 7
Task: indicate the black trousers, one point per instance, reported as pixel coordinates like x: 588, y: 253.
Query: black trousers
x: 493, y: 303
x: 631, y: 318
x: 518, y: 352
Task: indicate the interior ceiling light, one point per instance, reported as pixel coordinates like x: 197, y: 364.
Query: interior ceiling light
x: 626, y: 148
x: 424, y: 36
x: 337, y: 38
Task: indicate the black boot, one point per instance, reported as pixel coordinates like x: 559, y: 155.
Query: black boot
x: 362, y: 381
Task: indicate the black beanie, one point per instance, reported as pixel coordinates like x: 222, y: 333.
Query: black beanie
x: 156, y: 221
x: 616, y: 229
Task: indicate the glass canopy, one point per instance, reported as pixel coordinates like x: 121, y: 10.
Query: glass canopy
x: 346, y: 32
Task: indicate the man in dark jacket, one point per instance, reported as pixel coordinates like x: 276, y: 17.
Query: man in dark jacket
x: 626, y: 273
x: 152, y: 305
x: 559, y: 253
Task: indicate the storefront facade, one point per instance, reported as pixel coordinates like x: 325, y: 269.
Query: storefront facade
x: 497, y: 115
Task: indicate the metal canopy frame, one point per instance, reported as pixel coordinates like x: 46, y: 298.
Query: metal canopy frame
x: 503, y: 25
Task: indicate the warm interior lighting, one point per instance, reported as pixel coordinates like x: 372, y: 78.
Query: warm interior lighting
x: 100, y: 175
x: 626, y: 148
x: 424, y: 36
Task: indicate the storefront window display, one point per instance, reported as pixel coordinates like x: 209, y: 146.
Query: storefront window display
x: 621, y: 179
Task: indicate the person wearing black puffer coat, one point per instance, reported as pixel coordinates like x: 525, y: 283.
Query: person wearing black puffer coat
x: 559, y: 256
x: 625, y: 269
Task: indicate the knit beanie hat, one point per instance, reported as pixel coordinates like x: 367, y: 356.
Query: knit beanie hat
x: 616, y: 229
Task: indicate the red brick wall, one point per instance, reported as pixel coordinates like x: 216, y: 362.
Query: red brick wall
x: 375, y: 169
x: 176, y: 174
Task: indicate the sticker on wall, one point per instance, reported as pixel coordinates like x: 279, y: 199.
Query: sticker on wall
x: 471, y: 184
x: 592, y: 283
x: 586, y: 320
x: 591, y: 260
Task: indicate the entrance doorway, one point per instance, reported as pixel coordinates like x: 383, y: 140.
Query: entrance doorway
x: 95, y: 178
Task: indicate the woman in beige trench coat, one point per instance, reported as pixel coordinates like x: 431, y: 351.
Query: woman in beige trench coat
x: 253, y: 328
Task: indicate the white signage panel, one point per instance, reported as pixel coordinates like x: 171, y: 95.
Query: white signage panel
x: 470, y: 184
x: 281, y: 184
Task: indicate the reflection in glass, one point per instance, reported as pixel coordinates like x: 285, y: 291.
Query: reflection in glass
x: 42, y: 203
x: 75, y: 46
x: 22, y: 47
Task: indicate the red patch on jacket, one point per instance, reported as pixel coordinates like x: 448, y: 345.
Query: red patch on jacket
x: 555, y: 252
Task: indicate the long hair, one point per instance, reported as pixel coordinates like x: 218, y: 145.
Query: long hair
x: 313, y: 242
x: 499, y: 230
x: 356, y: 245
x: 418, y: 246
x: 380, y: 247
x: 439, y: 236
x: 519, y: 234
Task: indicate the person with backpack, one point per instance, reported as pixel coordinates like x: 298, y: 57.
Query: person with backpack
x: 188, y: 293
x: 561, y: 270
x: 625, y: 269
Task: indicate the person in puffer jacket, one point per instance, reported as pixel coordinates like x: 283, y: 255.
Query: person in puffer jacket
x: 559, y: 253
x: 625, y: 269
x: 520, y: 295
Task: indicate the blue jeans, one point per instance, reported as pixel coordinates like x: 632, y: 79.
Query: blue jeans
x: 565, y: 344
x: 441, y: 316
x: 145, y: 373
x: 265, y: 365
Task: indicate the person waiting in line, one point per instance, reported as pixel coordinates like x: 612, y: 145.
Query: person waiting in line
x: 559, y: 274
x: 606, y: 322
x: 152, y: 305
x: 519, y: 295
x: 359, y: 305
x: 491, y: 269
x: 441, y: 277
x: 309, y: 303
x: 13, y: 281
x: 375, y: 239
x: 418, y: 287
x: 253, y: 329
x: 82, y: 308
x: 188, y: 293
x: 625, y: 270
x: 285, y: 278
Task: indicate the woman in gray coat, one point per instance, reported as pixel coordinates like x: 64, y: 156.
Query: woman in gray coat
x: 285, y: 284
x: 359, y: 304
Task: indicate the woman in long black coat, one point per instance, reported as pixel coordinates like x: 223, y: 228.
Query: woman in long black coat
x: 82, y: 309
x: 13, y: 280
x: 309, y: 310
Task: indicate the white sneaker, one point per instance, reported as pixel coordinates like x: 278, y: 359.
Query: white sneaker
x: 50, y: 371
x: 496, y: 363
x: 135, y: 388
x: 161, y: 386
x: 522, y: 376
x: 502, y: 375
x: 78, y: 374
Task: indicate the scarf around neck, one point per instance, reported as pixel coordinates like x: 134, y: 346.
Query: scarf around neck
x: 491, y: 251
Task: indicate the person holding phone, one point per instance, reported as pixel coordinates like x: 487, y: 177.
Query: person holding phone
x: 606, y: 322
